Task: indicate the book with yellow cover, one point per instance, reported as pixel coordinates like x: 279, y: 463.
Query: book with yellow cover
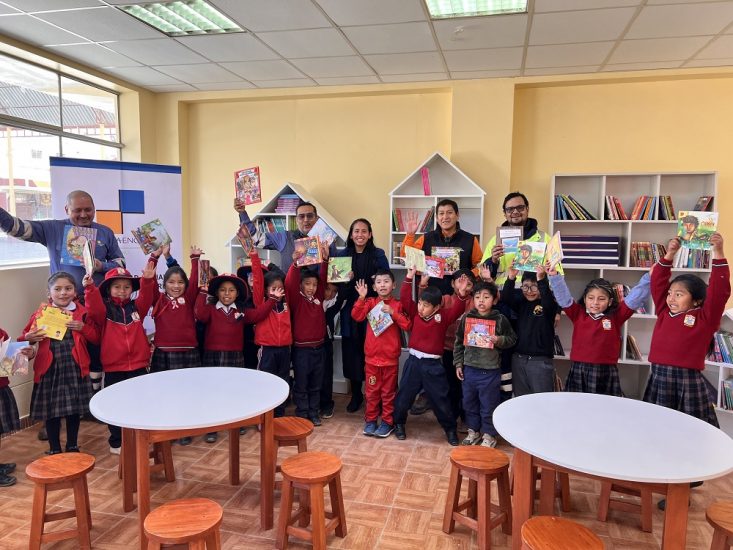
x: 53, y: 321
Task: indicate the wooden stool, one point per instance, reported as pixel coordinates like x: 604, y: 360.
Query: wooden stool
x: 162, y: 456
x: 552, y: 533
x: 311, y: 472
x: 480, y: 465
x: 720, y: 516
x: 560, y: 480
x: 292, y: 431
x: 606, y: 503
x: 52, y: 473
x: 192, y: 521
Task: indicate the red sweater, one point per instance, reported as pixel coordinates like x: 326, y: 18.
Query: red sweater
x: 124, y: 345
x: 175, y: 326
x: 4, y: 381
x: 275, y: 329
x: 225, y: 332
x: 682, y: 339
x: 597, y: 341
x: 308, y: 317
x: 383, y: 350
x: 428, y: 335
x: 44, y: 356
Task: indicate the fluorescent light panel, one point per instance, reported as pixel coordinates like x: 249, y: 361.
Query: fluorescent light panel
x: 445, y: 9
x: 183, y: 17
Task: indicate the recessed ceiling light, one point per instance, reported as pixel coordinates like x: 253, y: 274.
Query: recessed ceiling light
x: 444, y: 9
x: 183, y: 17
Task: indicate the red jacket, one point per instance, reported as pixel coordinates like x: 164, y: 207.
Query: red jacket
x: 275, y: 329
x: 309, y: 319
x: 175, y: 326
x: 124, y: 346
x: 4, y: 381
x: 44, y: 356
x: 225, y: 332
x: 383, y: 350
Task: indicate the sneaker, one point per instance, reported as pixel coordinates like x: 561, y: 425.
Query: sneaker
x: 42, y: 435
x: 399, y: 432
x: 421, y: 405
x: 6, y: 480
x: 452, y: 437
x: 211, y: 437
x: 7, y: 468
x: 327, y: 413
x: 114, y: 450
x: 184, y: 441
x: 472, y: 438
x: 384, y: 430
x: 488, y: 441
x: 316, y: 420
x: 370, y: 428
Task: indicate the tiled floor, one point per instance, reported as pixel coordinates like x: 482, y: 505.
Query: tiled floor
x: 394, y: 492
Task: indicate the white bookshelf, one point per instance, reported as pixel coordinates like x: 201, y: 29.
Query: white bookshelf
x: 590, y: 190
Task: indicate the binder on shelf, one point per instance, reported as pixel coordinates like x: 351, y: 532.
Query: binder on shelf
x: 591, y: 249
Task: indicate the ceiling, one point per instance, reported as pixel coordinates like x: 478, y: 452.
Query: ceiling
x: 327, y: 42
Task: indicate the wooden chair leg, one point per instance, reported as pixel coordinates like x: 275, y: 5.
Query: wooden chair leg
x: 82, y: 520
x: 304, y: 506
x: 302, y: 445
x: 451, y: 500
x: 318, y: 517
x: 213, y: 540
x: 604, y: 501
x: 564, y: 480
x: 167, y: 456
x: 152, y: 545
x: 483, y: 503
x: 286, y: 505
x: 472, y: 497
x: 547, y: 492
x: 89, y: 505
x: 337, y: 505
x: 720, y: 541
x: 646, y: 510
x: 198, y: 544
x: 37, y: 516
x: 505, y: 501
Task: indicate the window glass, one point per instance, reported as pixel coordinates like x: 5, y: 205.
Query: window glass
x: 88, y: 111
x: 29, y: 92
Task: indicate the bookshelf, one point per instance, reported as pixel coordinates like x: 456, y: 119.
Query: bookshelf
x: 590, y: 190
x: 717, y: 372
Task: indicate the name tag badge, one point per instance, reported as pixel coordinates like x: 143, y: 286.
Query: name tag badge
x: 135, y: 316
x: 606, y: 324
x: 437, y: 318
x: 181, y: 300
x: 690, y: 320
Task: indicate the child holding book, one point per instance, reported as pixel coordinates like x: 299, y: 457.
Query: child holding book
x: 382, y: 349
x: 424, y: 368
x: 125, y: 351
x: 478, y: 363
x: 9, y: 421
x: 597, y: 320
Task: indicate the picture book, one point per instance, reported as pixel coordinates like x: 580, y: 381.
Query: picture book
x: 529, y: 256
x: 451, y: 255
x: 553, y: 250
x: 204, y: 266
x: 88, y: 258
x: 151, y: 236
x: 509, y: 237
x: 695, y: 228
x: 245, y: 239
x: 338, y: 269
x: 247, y: 185
x: 75, y: 239
x: 12, y: 362
x: 309, y: 249
x: 415, y: 257
x: 435, y: 267
x: 53, y: 321
x: 478, y: 331
x: 321, y: 230
x: 378, y: 319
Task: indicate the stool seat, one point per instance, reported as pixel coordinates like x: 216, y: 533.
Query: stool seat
x: 292, y: 428
x: 553, y: 533
x: 720, y: 516
x: 475, y: 458
x: 184, y: 520
x: 311, y: 467
x: 59, y: 468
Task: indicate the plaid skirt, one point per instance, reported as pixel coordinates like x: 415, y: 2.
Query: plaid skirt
x: 223, y: 359
x: 680, y: 389
x: 61, y: 391
x: 172, y: 360
x: 9, y: 420
x: 593, y: 378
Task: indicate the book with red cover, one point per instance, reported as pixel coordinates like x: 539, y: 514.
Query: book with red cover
x: 477, y: 332
x: 310, y: 250
x: 247, y: 185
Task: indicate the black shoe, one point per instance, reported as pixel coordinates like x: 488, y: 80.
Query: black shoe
x: 42, y: 435
x: 662, y: 504
x: 452, y: 437
x: 243, y: 430
x: 52, y: 452
x: 327, y: 412
x: 399, y: 432
x: 211, y: 437
x: 355, y: 403
x: 316, y: 420
x: 72, y: 449
x: 184, y: 441
x: 7, y: 468
x: 6, y: 481
x: 695, y: 484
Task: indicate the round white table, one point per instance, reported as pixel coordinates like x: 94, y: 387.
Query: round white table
x: 172, y: 404
x: 612, y: 438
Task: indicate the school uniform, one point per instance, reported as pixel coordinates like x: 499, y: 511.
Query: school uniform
x: 455, y: 393
x: 332, y: 308
x: 9, y: 420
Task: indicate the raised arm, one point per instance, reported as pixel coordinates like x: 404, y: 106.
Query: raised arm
x: 639, y: 294
x: 25, y: 230
x: 254, y: 315
x: 292, y: 284
x: 202, y: 310
x: 719, y: 289
x: 193, y: 281
x: 94, y: 303
x: 408, y: 304
x: 400, y: 317
x: 660, y: 276
x: 509, y: 294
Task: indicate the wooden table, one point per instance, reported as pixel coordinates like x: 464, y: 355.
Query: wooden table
x: 188, y: 402
x: 611, y: 438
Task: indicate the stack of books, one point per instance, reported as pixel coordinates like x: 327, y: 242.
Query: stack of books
x: 425, y: 219
x: 666, y: 208
x: 644, y: 208
x: 614, y: 209
x: 722, y: 347
x: 632, y: 349
x: 286, y: 204
x: 269, y: 225
x: 567, y: 208
x: 692, y: 258
x: 726, y: 394
x: 591, y: 249
x: 645, y: 254
x: 704, y: 204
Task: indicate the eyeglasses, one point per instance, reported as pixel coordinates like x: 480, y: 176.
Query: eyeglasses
x: 306, y: 216
x: 520, y: 208
x: 530, y: 288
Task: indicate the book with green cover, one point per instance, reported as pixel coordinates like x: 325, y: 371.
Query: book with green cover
x: 695, y: 228
x: 530, y: 256
x: 338, y: 269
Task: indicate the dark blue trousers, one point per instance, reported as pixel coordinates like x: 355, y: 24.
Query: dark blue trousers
x: 327, y: 385
x: 276, y: 360
x: 308, y: 367
x: 481, y: 395
x: 427, y: 374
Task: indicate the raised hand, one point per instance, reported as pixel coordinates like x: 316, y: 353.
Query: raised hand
x: 716, y: 239
x: 361, y: 288
x: 239, y: 205
x: 485, y: 273
x: 149, y: 271
x: 540, y: 272
x: 411, y: 222
x: 158, y: 252
x: 550, y: 269
x: 87, y: 280
x: 324, y: 252
x: 411, y: 272
x: 672, y: 247
x: 497, y: 252
x: 277, y: 293
x: 196, y: 251
x: 35, y: 336
x: 424, y: 279
x: 512, y: 273
x: 461, y: 285
x: 166, y: 250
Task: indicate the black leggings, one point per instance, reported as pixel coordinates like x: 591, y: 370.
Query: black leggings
x: 53, y: 429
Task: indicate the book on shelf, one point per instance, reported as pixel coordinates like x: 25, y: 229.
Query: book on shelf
x: 530, y: 255
x: 425, y: 175
x: 435, y: 267
x: 558, y: 347
x: 338, y: 269
x: 621, y: 291
x: 76, y: 238
x: 666, y: 208
x: 287, y: 203
x: 424, y: 219
x: 415, y: 257
x: 397, y: 257
x: 614, y: 209
x: 379, y: 320
x: 151, y: 236
x: 270, y: 225
x: 704, y: 204
x: 478, y: 332
x: 567, y: 208
x: 645, y: 254
x: 590, y: 249
x: 722, y: 347
x: 726, y: 394
x: 645, y: 208
x: 321, y: 230
x: 247, y: 185
x: 695, y: 228
x: 309, y: 249
x: 691, y: 258
x: 632, y: 349
x: 509, y: 236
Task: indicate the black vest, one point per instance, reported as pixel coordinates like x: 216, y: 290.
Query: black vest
x: 460, y: 239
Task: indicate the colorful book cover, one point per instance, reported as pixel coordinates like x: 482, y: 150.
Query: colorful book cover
x: 695, y: 228
x: 204, y: 266
x: 425, y: 174
x: 53, y: 321
x: 435, y: 267
x: 309, y: 249
x: 338, y: 269
x: 478, y: 331
x: 378, y: 319
x: 321, y: 230
x: 529, y: 256
x: 12, y: 362
x: 151, y: 236
x: 245, y: 239
x: 451, y: 255
x: 247, y: 185
x: 553, y: 250
x: 509, y: 237
x: 415, y: 257
x: 75, y: 239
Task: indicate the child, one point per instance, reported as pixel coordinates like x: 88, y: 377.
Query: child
x: 597, y: 322
x: 688, y: 314
x: 333, y: 301
x: 532, y: 368
x: 424, y: 368
x: 382, y: 352
x: 273, y: 333
x: 478, y: 363
x: 305, y: 290
x: 125, y: 350
x: 173, y: 313
x: 9, y: 421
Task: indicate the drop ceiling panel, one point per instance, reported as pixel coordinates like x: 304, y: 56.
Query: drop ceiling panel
x: 564, y: 70
x: 405, y: 63
x: 481, y: 32
x: 373, y: 12
x: 657, y: 49
x: 682, y: 20
x: 30, y: 6
x: 579, y: 26
x: 347, y: 80
x: 641, y: 66
x: 99, y: 24
x: 288, y: 83
x: 34, y: 31
x: 325, y: 67
x: 709, y: 62
x: 396, y: 38
x: 541, y: 6
x: 229, y: 47
x: 208, y: 72
x: 721, y: 47
x: 161, y: 51
x: 94, y: 55
x: 173, y: 88
x: 307, y: 43
x: 264, y: 70
x: 241, y: 85
x: 143, y: 76
x: 459, y: 75
x: 567, y: 55
x: 484, y: 60
x: 422, y: 77
x: 273, y: 15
